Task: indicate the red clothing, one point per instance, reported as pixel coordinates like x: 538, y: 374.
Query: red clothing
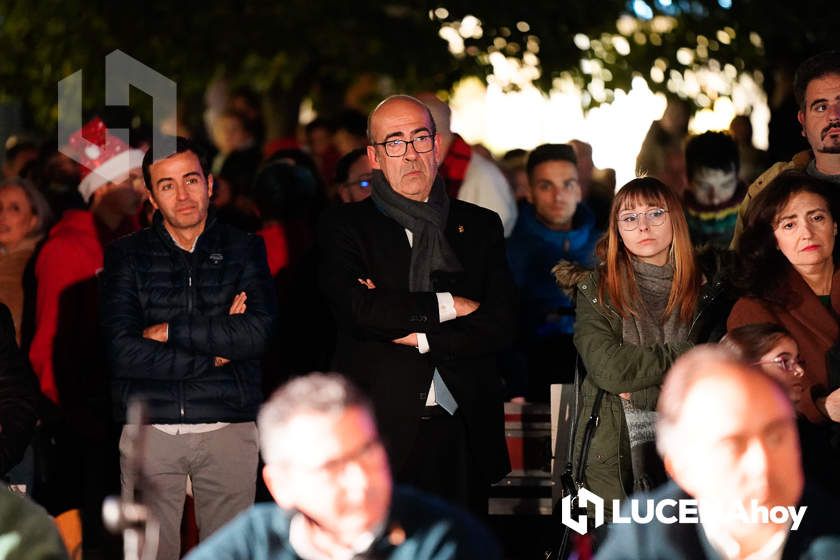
x: 276, y: 249
x: 72, y: 256
x: 454, y: 166
x: 814, y: 328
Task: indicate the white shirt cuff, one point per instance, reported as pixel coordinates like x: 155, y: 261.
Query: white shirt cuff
x: 422, y: 343
x: 446, y: 306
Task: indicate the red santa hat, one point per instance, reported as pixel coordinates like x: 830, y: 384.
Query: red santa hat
x: 104, y: 158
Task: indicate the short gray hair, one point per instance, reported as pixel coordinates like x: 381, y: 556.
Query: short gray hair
x: 37, y: 201
x: 324, y: 393
x: 701, y: 362
x: 401, y: 97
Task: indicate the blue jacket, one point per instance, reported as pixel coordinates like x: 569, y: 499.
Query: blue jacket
x: 148, y: 280
x: 533, y: 250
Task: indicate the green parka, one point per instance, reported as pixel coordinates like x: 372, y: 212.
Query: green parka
x: 627, y: 368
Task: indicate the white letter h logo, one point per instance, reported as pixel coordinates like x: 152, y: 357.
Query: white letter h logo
x: 584, y: 498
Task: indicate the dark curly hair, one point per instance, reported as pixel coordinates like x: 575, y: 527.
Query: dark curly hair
x: 762, y: 267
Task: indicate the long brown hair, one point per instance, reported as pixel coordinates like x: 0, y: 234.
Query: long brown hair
x: 617, y: 282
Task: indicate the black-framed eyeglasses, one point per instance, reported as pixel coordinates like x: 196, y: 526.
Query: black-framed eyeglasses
x: 787, y: 363
x: 398, y: 147
x: 631, y: 220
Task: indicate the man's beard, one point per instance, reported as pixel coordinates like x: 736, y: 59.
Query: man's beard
x: 833, y: 144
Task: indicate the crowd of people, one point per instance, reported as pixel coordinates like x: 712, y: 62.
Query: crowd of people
x: 439, y: 283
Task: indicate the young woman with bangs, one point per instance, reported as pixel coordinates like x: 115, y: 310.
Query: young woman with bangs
x: 649, y: 300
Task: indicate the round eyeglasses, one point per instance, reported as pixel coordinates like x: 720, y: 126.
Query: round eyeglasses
x: 787, y: 363
x: 631, y: 220
x: 397, y: 147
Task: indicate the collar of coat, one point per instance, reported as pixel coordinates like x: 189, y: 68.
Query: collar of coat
x: 158, y: 225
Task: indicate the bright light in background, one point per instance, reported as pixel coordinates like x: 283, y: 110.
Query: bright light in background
x: 526, y: 118
x: 747, y: 97
x: 509, y: 112
x: 642, y: 9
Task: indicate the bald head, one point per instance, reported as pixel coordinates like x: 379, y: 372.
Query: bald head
x: 706, y: 366
x: 727, y: 432
x: 404, y: 146
x: 399, y: 99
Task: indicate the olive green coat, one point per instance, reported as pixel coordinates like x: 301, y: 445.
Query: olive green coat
x: 626, y: 368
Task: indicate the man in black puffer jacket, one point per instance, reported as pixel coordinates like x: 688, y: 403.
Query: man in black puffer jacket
x: 188, y: 308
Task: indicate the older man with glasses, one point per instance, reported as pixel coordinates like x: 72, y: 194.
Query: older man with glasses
x: 424, y: 300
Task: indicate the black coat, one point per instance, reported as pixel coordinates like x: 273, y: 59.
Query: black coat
x: 359, y: 241
x: 18, y: 396
x: 148, y: 280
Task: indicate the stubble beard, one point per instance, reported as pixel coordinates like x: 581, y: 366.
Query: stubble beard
x: 833, y: 149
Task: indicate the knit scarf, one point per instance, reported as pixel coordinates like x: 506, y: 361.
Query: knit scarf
x: 649, y: 326
x: 430, y: 251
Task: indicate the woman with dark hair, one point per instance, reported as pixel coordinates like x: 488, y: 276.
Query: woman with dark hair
x: 646, y: 303
x: 788, y: 275
x: 772, y: 348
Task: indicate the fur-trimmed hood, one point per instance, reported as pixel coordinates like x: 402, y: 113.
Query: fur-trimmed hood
x: 568, y: 274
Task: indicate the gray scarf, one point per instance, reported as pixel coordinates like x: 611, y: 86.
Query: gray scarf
x: 648, y: 327
x: 430, y: 251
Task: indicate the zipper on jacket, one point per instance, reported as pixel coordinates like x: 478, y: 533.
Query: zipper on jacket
x: 189, y: 281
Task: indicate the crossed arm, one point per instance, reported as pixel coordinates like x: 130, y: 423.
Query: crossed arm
x: 160, y: 331
x: 479, y: 328
x: 194, y: 342
x: 463, y: 307
x: 613, y: 365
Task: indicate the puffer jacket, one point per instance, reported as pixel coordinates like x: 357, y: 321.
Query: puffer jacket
x: 626, y: 368
x: 148, y: 280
